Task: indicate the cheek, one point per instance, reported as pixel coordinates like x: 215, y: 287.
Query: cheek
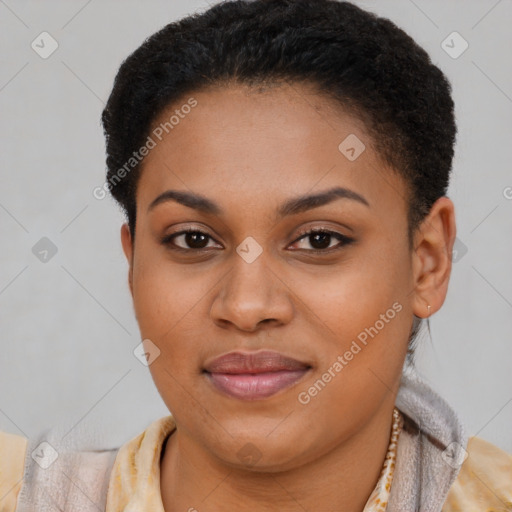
x: 166, y: 294
x: 346, y: 299
x: 360, y: 312
x: 171, y: 303
x: 167, y: 301
x: 363, y: 336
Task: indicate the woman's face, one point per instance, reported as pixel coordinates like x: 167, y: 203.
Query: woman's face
x: 334, y: 308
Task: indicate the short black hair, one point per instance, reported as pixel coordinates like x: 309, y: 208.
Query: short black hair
x: 363, y: 62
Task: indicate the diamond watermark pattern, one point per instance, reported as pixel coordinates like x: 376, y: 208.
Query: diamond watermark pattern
x: 45, y: 455
x: 459, y: 250
x: 44, y: 250
x: 249, y: 454
x: 351, y: 147
x: 454, y: 45
x: 146, y: 352
x: 44, y: 45
x: 454, y: 455
x: 249, y: 249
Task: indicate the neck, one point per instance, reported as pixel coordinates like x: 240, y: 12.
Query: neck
x: 342, y: 479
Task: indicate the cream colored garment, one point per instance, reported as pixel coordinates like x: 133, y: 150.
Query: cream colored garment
x: 485, y: 481
x: 12, y: 458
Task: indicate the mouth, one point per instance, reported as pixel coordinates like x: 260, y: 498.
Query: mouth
x: 254, y: 375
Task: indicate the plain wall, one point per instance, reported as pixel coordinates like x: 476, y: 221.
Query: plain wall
x: 67, y: 325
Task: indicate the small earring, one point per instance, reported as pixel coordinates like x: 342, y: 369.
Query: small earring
x: 428, y: 323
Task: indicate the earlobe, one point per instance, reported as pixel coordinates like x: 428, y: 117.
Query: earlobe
x: 127, y: 243
x: 432, y: 258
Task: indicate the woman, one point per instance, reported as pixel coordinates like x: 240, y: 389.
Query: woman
x: 283, y: 167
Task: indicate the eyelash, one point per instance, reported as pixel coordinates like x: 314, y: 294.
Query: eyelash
x: 345, y: 240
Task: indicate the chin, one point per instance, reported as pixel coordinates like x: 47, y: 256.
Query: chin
x: 259, y: 450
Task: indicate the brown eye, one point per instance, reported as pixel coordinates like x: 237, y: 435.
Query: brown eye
x: 190, y: 240
x: 320, y: 240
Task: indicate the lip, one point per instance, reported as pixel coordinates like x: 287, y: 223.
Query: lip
x: 254, y: 375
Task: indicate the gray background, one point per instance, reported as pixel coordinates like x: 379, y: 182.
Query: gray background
x: 67, y: 326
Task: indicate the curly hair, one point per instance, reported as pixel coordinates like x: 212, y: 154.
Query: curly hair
x: 364, y: 63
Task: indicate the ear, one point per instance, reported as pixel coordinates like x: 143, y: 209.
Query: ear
x: 432, y: 257
x: 127, y: 243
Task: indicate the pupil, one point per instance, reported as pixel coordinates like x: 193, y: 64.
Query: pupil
x: 192, y: 240
x: 324, y: 240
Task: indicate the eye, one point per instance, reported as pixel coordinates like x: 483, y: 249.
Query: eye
x: 321, y: 239
x: 196, y: 240
x: 192, y: 240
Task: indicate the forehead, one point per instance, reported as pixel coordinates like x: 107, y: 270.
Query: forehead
x: 276, y: 143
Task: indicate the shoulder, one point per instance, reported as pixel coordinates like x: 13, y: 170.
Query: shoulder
x: 12, y: 461
x: 484, y: 483
x: 137, y: 466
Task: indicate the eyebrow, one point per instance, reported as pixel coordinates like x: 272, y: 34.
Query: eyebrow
x: 290, y: 207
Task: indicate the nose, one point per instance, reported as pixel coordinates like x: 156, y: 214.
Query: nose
x: 252, y: 296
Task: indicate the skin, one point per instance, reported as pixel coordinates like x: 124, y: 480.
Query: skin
x: 249, y: 151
